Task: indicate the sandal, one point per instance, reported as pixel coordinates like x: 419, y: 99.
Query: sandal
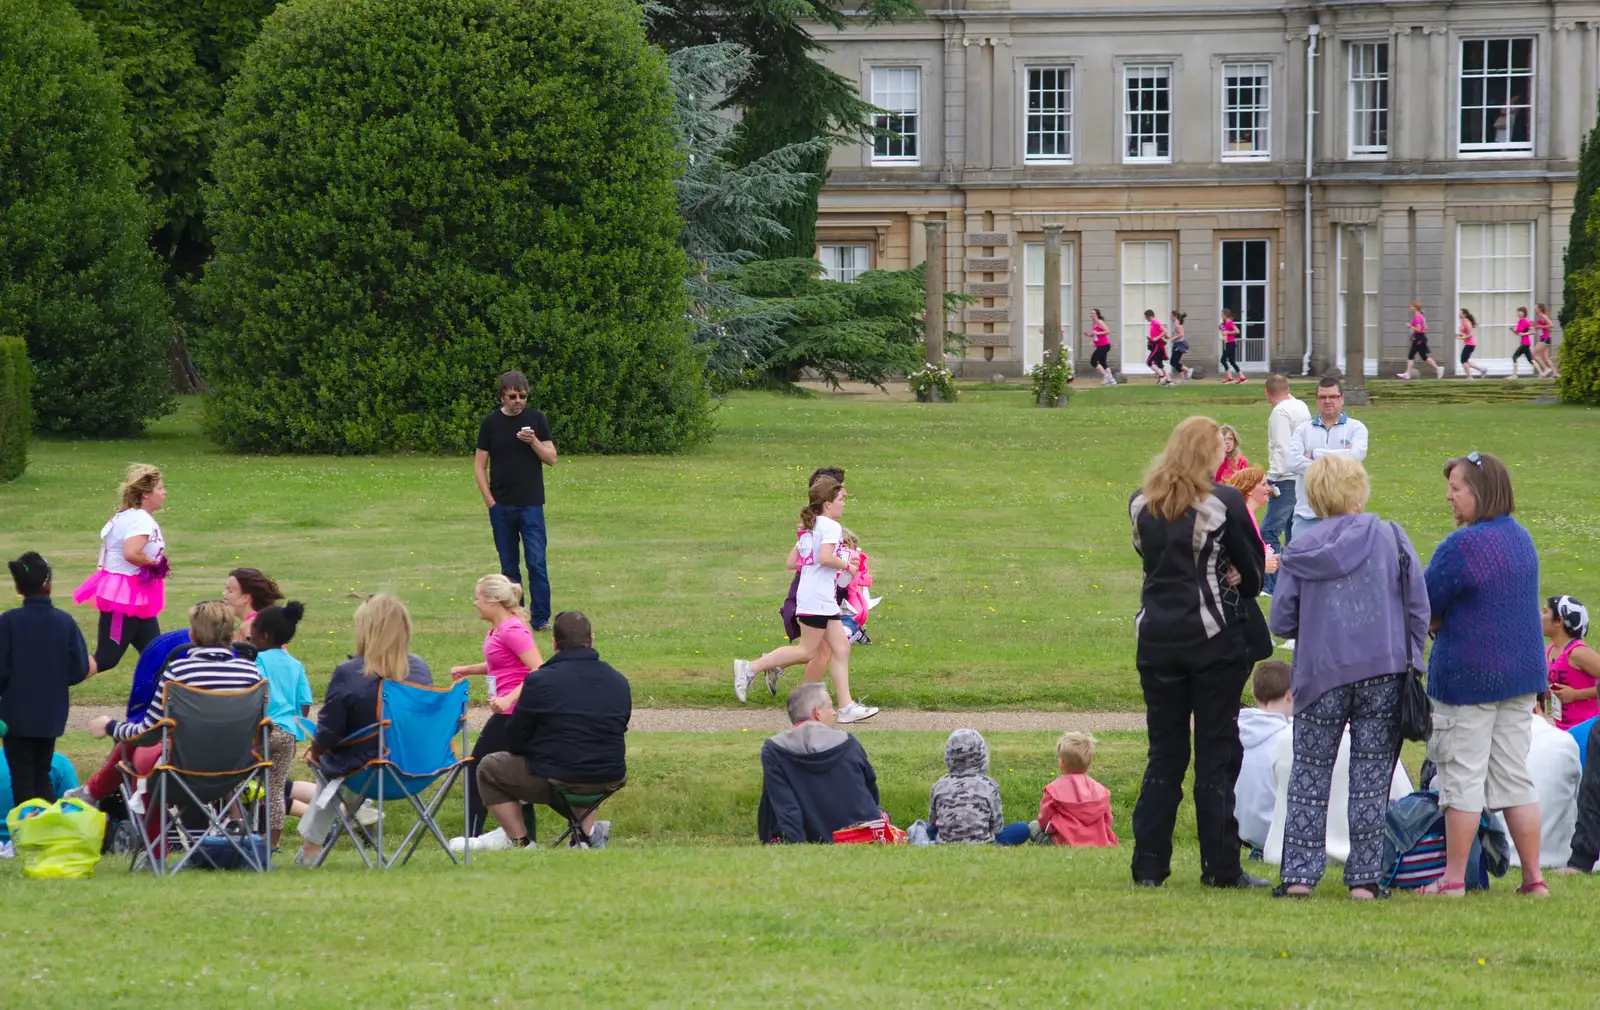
x: 1282, y: 891
x: 1537, y: 889
x: 1439, y: 887
x: 1374, y: 892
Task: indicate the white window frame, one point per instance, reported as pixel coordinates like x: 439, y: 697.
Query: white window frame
x: 890, y: 94
x: 1064, y: 112
x: 1491, y: 148
x: 1032, y: 325
x: 1235, y: 112
x: 1372, y: 280
x: 1164, y: 72
x: 1495, y: 339
x: 1367, y: 95
x: 1157, y: 295
x: 834, y: 268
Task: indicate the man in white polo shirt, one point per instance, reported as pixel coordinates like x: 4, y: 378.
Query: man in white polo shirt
x: 1288, y: 413
x: 1331, y: 431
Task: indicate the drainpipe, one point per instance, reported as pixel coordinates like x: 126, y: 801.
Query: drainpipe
x: 1311, y: 112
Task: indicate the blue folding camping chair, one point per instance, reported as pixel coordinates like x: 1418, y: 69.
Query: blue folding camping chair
x: 417, y: 749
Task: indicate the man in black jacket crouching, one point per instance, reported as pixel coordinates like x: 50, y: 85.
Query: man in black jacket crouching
x: 814, y: 779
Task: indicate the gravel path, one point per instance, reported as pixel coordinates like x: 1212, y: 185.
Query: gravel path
x: 769, y: 719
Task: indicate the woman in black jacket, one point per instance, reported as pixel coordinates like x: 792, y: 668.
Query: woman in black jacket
x: 1202, y: 570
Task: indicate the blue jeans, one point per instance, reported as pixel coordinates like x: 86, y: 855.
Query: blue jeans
x: 525, y: 522
x: 1280, y: 511
x: 1303, y: 523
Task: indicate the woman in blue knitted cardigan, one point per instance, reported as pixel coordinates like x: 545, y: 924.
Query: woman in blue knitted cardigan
x: 1485, y: 669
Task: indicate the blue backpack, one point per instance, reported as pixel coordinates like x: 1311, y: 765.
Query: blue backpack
x: 1413, y: 845
x: 147, y: 672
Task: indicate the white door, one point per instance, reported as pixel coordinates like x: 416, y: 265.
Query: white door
x: 1146, y: 284
x: 1373, y: 283
x: 1245, y: 269
x: 1033, y: 307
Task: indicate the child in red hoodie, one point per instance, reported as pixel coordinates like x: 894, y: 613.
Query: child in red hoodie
x: 1075, y: 809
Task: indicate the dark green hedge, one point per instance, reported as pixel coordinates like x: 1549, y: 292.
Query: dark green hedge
x: 77, y: 281
x: 414, y: 195
x: 16, y: 407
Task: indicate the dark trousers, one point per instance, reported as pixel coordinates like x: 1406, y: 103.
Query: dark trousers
x: 1202, y: 682
x: 1371, y: 708
x: 1230, y: 356
x: 29, y: 760
x: 1280, y: 514
x: 491, y: 740
x: 1586, y: 835
x: 525, y: 524
x: 136, y: 631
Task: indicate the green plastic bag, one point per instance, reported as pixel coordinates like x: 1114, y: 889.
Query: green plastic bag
x: 57, y: 841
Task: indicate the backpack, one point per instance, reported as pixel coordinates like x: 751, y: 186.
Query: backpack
x: 1413, y: 845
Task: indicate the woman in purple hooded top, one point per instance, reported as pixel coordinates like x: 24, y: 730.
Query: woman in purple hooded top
x: 1339, y: 596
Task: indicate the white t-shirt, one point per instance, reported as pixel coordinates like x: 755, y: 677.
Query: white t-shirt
x: 816, y: 596
x: 123, y: 525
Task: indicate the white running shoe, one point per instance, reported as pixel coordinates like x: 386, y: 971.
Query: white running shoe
x: 79, y: 793
x: 368, y: 815
x: 6, y: 851
x: 772, y: 681
x: 600, y: 835
x: 1287, y: 645
x: 743, y: 677
x: 493, y: 841
x: 1403, y: 375
x: 855, y: 712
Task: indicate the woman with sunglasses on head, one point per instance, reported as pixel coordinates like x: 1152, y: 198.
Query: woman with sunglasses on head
x: 1486, y: 667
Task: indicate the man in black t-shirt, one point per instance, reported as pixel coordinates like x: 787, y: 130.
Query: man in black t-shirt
x: 514, y: 447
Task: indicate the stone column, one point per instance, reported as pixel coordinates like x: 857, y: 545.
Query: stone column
x: 1355, y: 315
x: 1052, y: 293
x: 933, y: 308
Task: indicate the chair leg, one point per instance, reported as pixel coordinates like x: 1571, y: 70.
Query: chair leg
x: 426, y: 818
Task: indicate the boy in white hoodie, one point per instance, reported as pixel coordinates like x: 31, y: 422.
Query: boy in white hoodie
x: 1259, y: 728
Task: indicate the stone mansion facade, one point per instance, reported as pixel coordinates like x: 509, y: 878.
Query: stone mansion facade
x: 1206, y: 154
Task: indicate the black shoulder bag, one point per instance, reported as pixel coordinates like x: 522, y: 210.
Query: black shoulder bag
x: 1416, y: 710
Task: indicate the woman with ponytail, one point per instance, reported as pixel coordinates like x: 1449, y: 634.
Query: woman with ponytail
x: 129, y: 586
x: 816, y: 556
x: 509, y: 655
x: 288, y: 698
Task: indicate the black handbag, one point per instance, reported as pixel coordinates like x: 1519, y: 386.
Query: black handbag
x: 1416, y: 709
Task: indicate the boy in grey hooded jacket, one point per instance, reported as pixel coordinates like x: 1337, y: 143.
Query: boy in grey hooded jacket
x: 965, y: 804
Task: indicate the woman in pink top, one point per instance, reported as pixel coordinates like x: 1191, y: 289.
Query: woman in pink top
x: 1156, y: 344
x: 1252, y: 483
x: 1232, y: 459
x: 509, y: 655
x: 1524, y: 331
x: 1100, y: 359
x: 1230, y: 348
x: 1469, y: 343
x: 1419, y: 344
x: 1541, y: 350
x: 1574, y: 667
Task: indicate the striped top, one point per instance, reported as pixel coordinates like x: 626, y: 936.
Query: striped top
x: 211, y: 668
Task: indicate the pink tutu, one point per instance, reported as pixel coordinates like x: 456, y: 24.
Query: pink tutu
x: 129, y: 595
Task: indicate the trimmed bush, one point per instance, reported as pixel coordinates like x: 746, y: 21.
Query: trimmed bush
x: 16, y: 407
x: 76, y: 279
x: 413, y: 196
x: 1580, y: 339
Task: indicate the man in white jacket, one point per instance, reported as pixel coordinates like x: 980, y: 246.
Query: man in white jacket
x: 1255, y: 794
x: 1556, y: 770
x: 1288, y: 413
x: 1331, y: 432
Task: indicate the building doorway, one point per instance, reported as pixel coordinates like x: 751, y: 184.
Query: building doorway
x: 1245, y: 290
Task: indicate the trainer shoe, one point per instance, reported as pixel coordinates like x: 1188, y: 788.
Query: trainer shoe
x: 600, y: 835
x: 743, y: 677
x: 772, y: 680
x: 1287, y: 645
x: 79, y: 793
x: 368, y: 815
x: 855, y: 712
x: 493, y: 841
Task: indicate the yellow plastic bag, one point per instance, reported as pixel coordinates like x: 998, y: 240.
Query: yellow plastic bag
x: 57, y: 841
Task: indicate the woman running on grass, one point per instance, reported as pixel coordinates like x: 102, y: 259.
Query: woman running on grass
x: 1230, y: 348
x: 1419, y: 344
x: 1541, y: 349
x: 1100, y: 359
x: 1180, y: 347
x: 1156, y: 344
x: 817, y: 558
x: 1524, y: 331
x: 1469, y: 343
x: 129, y: 587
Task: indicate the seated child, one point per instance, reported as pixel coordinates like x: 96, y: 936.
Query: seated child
x: 965, y: 805
x: 1254, y: 795
x: 288, y: 699
x: 1075, y: 809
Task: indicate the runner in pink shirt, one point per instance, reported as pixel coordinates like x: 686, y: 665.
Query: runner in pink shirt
x: 1419, y: 344
x: 1102, y: 348
x: 1524, y: 331
x: 1469, y: 343
x: 1541, y: 349
x: 1230, y: 348
x: 1156, y: 344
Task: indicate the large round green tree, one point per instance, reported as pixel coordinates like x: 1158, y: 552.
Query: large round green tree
x: 76, y: 279
x: 414, y: 195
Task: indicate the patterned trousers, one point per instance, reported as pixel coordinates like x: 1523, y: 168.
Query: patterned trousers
x: 1372, y: 709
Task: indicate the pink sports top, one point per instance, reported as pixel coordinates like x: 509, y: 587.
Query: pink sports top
x: 1522, y: 329
x: 1419, y: 325
x: 1468, y: 336
x: 1157, y: 331
x: 1543, y: 326
x: 1101, y: 337
x: 1563, y: 672
x: 1230, y: 330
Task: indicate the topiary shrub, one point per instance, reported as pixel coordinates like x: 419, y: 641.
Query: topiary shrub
x: 413, y: 196
x: 16, y: 407
x: 1580, y: 359
x: 76, y: 279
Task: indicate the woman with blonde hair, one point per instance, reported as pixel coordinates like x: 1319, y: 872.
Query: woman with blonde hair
x: 1202, y: 561
x: 509, y: 655
x: 1232, y: 459
x: 1351, y: 593
x: 129, y: 583
x: 383, y: 652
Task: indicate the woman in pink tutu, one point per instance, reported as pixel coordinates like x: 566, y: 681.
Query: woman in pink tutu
x: 129, y: 586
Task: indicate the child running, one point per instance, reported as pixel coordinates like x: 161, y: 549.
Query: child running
x: 1100, y: 359
x: 818, y: 560
x: 42, y: 654
x: 1524, y: 331
x: 1075, y: 809
x: 1180, y: 347
x: 1230, y: 348
x: 856, y: 597
x: 1469, y: 343
x: 1541, y: 350
x: 1156, y: 344
x: 288, y: 700
x: 791, y: 627
x: 1574, y: 667
x: 1419, y: 344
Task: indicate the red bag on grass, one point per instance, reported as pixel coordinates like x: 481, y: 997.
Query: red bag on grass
x: 878, y: 831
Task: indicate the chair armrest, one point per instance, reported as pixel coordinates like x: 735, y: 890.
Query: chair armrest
x: 149, y: 736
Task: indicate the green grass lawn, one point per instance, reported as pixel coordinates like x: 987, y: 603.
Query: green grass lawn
x: 997, y: 531
x: 687, y: 910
